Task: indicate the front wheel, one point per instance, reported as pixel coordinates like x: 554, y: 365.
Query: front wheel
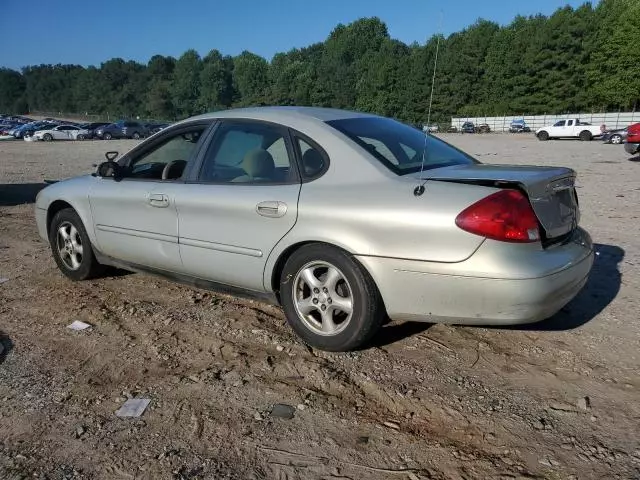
x: 107, y: 136
x: 71, y: 246
x: 543, y: 136
x: 80, y: 137
x: 329, y: 299
x: 136, y: 136
x: 47, y: 137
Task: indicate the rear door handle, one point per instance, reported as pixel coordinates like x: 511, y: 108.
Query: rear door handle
x: 273, y: 209
x: 159, y: 200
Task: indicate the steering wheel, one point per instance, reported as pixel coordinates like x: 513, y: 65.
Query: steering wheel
x: 175, y: 165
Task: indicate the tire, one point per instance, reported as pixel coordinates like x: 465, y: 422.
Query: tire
x: 80, y: 137
x: 616, y: 139
x: 543, y: 136
x: 585, y: 135
x: 80, y: 262
x: 107, y: 136
x: 352, y: 287
x: 136, y: 136
x: 47, y: 137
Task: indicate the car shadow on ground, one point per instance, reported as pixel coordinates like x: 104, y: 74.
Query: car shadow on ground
x: 634, y: 159
x: 601, y: 288
x: 394, y: 332
x: 12, y: 194
x: 5, y: 346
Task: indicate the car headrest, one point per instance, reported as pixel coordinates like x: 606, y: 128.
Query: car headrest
x: 312, y: 161
x: 258, y: 163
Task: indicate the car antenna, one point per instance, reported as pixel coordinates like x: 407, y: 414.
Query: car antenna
x: 419, y: 190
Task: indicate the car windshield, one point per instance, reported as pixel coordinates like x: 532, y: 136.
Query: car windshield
x: 399, y: 147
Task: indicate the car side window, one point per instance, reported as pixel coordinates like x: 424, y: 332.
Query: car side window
x: 247, y: 153
x: 166, y: 161
x: 559, y: 124
x: 313, y: 161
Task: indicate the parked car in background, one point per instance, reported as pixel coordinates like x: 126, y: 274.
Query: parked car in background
x: 5, y: 128
x: 632, y: 144
x: 91, y: 128
x: 154, y: 128
x: 277, y: 203
x: 28, y: 129
x: 519, y: 126
x: 569, y: 128
x: 468, y: 127
x: 483, y: 128
x: 617, y: 136
x: 61, y: 132
x: 122, y: 129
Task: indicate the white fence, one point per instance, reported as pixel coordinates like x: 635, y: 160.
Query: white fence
x: 501, y: 124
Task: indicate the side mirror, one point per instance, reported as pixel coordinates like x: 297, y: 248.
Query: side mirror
x: 111, y: 156
x: 108, y: 169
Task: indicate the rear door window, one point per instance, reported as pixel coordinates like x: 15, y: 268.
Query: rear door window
x: 248, y: 152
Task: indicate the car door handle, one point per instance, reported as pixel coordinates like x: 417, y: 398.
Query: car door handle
x: 272, y: 209
x: 159, y: 200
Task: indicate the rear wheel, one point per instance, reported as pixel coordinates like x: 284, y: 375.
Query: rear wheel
x: 585, y: 135
x: 47, y: 137
x: 136, y: 136
x: 329, y: 299
x: 543, y: 136
x: 616, y: 139
x: 71, y: 246
x: 80, y: 137
x: 107, y: 136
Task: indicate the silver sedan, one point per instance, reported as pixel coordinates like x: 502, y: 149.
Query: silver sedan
x: 344, y: 219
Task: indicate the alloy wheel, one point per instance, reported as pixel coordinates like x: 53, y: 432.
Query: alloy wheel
x: 323, y: 298
x: 69, y: 245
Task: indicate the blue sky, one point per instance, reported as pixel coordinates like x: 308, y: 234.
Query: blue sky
x: 88, y: 32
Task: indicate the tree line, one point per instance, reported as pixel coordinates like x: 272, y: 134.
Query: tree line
x: 580, y: 59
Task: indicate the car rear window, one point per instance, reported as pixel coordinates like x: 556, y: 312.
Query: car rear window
x: 399, y: 147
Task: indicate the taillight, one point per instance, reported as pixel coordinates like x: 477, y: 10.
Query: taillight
x: 505, y: 215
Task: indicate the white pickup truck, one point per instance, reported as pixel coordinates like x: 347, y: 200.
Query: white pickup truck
x: 569, y: 128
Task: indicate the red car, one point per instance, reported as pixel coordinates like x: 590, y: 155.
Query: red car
x: 632, y: 145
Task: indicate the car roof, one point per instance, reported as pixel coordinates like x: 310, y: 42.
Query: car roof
x: 282, y: 114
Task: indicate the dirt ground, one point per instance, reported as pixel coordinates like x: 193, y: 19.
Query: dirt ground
x: 559, y: 399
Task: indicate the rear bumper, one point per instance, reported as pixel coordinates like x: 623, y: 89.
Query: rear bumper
x: 501, y: 284
x: 632, y: 148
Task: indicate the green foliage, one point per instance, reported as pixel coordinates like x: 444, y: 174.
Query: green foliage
x: 576, y: 59
x: 186, y: 84
x: 251, y: 78
x: 12, y: 91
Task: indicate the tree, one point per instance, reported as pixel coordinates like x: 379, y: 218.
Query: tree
x: 185, y: 87
x: 250, y: 78
x: 12, y: 91
x: 216, y: 82
x: 613, y: 69
x: 575, y: 59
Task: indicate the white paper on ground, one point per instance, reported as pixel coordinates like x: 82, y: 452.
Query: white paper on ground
x: 2, y: 280
x: 78, y: 325
x: 134, y: 407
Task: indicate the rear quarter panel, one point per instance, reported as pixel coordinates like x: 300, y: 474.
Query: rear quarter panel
x: 384, y: 219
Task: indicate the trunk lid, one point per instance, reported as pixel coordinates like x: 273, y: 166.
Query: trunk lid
x: 551, y: 190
